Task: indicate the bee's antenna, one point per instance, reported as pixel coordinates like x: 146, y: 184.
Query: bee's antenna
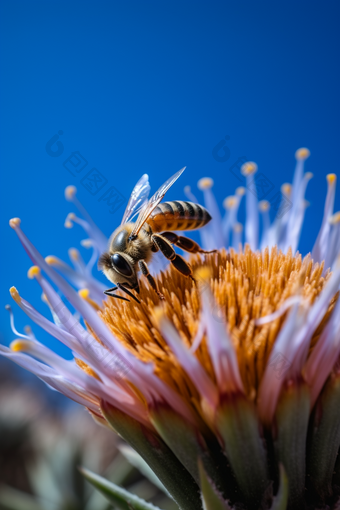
x: 109, y: 292
x: 124, y: 289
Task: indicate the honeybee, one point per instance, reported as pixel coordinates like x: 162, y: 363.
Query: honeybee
x: 132, y: 245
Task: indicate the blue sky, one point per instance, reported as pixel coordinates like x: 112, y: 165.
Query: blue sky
x: 150, y: 87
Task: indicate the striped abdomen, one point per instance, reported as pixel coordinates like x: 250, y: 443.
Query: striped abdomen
x: 178, y: 215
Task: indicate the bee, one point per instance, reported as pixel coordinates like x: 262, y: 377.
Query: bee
x: 132, y: 244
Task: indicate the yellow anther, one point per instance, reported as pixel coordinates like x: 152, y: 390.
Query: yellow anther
x: 20, y: 345
x: 33, y: 272
x: 331, y: 178
x: 203, y: 274
x: 70, y: 191
x: 68, y: 222
x: 158, y: 314
x: 309, y: 176
x: 229, y: 202
x: 14, y: 222
x: 84, y: 293
x: 87, y: 243
x: 249, y: 168
x: 286, y: 189
x: 302, y: 153
x: 52, y: 260
x: 238, y: 227
x: 28, y: 330
x: 240, y: 191
x: 335, y: 218
x: 205, y: 183
x: 15, y: 294
x: 74, y: 254
x: 264, y: 205
x: 44, y: 298
x: 158, y: 317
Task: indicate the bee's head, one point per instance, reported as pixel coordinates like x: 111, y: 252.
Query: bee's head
x: 118, y: 268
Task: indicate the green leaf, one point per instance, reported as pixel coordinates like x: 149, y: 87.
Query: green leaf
x: 121, y: 498
x: 211, y: 501
x: 175, y: 478
x: 292, y: 417
x: 12, y: 499
x: 281, y: 499
x: 119, y: 472
x: 325, y: 438
x: 139, y: 463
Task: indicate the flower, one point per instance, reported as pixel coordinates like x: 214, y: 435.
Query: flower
x: 230, y: 386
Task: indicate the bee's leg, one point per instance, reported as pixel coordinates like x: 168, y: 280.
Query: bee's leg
x: 185, y: 243
x: 176, y: 260
x: 145, y: 272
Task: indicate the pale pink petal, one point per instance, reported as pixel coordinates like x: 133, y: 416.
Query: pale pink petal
x: 188, y: 361
x: 278, y: 365
x: 324, y: 355
x: 89, y: 226
x: 252, y: 213
x: 321, y: 244
x: 221, y: 348
x: 215, y: 225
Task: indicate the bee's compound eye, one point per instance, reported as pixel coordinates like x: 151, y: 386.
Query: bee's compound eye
x: 121, y: 264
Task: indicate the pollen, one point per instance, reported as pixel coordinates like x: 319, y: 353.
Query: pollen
x: 333, y: 220
x: 74, y: 254
x: 286, y: 189
x: 70, y: 192
x: 331, y: 178
x: 229, y: 202
x: 14, y: 222
x: 264, y: 205
x: 19, y: 345
x: 52, y: 260
x: 15, y: 294
x: 205, y: 183
x: 246, y: 286
x: 249, y: 168
x: 33, y: 272
x: 302, y: 153
x: 68, y: 222
x: 84, y: 293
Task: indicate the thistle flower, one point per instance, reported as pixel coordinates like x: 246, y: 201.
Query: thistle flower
x: 228, y: 389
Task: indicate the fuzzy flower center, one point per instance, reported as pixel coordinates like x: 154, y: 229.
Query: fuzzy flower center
x: 246, y: 286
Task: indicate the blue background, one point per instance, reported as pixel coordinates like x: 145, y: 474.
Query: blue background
x: 150, y: 87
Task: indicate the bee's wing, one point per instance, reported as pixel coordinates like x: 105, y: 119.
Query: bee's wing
x: 138, y: 198
x: 154, y: 201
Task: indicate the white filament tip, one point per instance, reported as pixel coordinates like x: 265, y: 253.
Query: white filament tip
x: 229, y: 202
x: 264, y: 205
x: 70, y: 192
x: 249, y: 168
x: 302, y: 154
x: 14, y: 222
x: 205, y: 183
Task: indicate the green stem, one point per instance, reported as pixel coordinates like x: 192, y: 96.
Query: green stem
x: 238, y: 425
x: 158, y: 456
x: 189, y: 444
